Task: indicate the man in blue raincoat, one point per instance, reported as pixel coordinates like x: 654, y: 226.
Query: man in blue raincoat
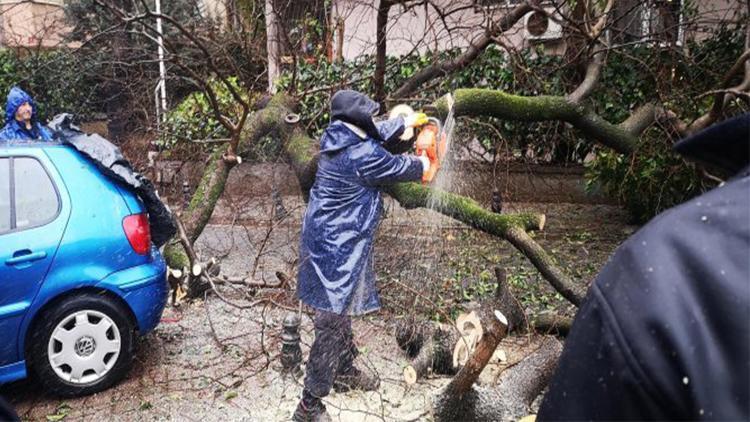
x: 21, y: 122
x: 336, y: 275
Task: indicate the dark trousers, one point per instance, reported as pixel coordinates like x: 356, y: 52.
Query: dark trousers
x: 6, y: 411
x: 332, y: 353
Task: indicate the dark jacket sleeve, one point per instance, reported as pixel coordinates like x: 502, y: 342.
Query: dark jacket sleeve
x: 376, y: 166
x: 390, y: 130
x: 594, y: 379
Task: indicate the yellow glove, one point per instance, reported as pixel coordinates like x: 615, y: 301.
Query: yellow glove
x: 416, y: 120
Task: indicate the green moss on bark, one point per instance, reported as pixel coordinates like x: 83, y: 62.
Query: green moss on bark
x: 175, y: 256
x: 499, y: 104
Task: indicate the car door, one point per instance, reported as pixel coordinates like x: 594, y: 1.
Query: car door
x: 32, y: 223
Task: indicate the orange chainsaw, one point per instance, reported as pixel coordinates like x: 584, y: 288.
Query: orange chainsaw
x: 433, y: 138
x: 432, y: 141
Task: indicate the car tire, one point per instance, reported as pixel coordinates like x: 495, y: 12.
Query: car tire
x: 81, y: 345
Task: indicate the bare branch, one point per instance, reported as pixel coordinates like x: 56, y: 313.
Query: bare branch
x: 593, y: 74
x: 725, y: 93
x: 476, y: 47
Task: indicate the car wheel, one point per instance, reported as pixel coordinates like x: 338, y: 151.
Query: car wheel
x: 82, y: 345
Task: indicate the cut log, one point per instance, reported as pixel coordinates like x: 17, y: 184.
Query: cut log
x: 421, y: 366
x: 411, y: 334
x: 470, y: 328
x: 551, y: 323
x: 464, y: 348
x: 435, y: 356
x: 468, y: 324
x: 511, y: 398
x: 496, y: 328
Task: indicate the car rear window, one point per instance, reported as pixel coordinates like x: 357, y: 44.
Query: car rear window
x: 36, y: 200
x: 4, y: 195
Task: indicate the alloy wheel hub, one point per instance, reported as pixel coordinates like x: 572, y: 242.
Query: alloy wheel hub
x: 85, y: 346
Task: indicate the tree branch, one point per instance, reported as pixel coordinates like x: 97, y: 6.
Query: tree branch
x: 485, y: 102
x: 648, y: 114
x: 593, y: 74
x: 545, y: 264
x: 725, y: 93
x: 476, y: 47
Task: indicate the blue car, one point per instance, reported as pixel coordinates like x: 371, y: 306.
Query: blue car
x: 79, y: 275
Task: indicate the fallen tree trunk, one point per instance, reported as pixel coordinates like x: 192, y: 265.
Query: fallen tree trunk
x: 550, y: 323
x: 411, y: 335
x: 435, y: 356
x: 510, y: 398
x: 487, y: 102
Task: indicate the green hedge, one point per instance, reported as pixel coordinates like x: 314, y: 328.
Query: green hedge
x: 53, y: 78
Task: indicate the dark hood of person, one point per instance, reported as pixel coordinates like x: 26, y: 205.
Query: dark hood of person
x: 355, y: 108
x: 16, y: 98
x: 725, y: 146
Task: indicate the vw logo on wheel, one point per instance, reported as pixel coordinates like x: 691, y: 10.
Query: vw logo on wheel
x: 85, y: 346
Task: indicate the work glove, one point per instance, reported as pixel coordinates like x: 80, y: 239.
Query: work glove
x: 416, y: 120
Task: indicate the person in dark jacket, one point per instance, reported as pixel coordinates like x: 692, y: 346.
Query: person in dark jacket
x: 21, y: 119
x: 336, y: 275
x: 664, y: 333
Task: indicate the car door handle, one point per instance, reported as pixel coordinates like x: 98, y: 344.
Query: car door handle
x: 25, y: 255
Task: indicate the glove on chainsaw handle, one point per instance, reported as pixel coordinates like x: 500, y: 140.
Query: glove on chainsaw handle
x: 416, y: 120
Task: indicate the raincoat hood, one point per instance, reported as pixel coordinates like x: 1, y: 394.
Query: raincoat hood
x: 355, y: 108
x: 15, y: 131
x: 725, y: 145
x: 16, y: 98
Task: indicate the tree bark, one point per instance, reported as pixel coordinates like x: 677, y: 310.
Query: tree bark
x: 378, y: 78
x: 487, y: 102
x: 546, y: 265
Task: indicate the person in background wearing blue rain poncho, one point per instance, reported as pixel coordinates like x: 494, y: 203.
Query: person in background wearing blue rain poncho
x: 21, y: 122
x: 336, y: 275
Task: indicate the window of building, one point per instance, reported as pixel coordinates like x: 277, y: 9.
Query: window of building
x: 647, y: 21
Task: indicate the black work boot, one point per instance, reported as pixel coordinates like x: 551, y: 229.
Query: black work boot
x: 311, y: 410
x: 354, y: 379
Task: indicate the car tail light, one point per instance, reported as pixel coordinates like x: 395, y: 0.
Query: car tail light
x: 138, y: 232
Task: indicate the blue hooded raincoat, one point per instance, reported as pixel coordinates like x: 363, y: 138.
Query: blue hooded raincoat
x: 336, y: 272
x: 15, y: 130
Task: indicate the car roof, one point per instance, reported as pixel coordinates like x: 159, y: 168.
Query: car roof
x: 29, y: 144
